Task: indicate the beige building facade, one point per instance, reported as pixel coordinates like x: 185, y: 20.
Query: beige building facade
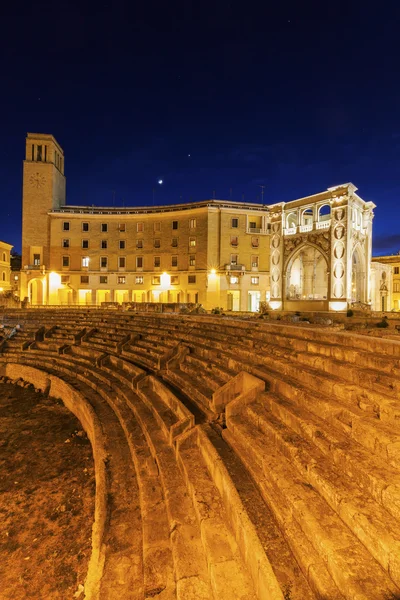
x: 5, y: 266
x: 313, y: 253
x: 392, y: 264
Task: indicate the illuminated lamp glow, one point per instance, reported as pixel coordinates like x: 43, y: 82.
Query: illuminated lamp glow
x: 165, y: 281
x: 54, y: 280
x: 1, y: 289
x: 337, y: 305
x: 213, y: 272
x: 275, y: 304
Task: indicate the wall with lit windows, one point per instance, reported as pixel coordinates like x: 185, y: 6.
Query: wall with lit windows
x: 5, y: 267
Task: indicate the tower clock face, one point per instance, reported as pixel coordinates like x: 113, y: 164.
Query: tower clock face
x: 37, y: 180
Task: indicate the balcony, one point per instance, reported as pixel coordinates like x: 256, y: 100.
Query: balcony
x: 257, y: 230
x: 306, y: 228
x: 235, y: 268
x: 324, y: 224
x: 290, y: 231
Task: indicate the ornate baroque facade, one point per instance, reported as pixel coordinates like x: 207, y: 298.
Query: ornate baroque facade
x: 307, y: 254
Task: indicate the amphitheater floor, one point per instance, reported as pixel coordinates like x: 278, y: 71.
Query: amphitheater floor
x: 47, y: 492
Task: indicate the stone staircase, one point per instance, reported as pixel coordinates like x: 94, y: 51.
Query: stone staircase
x: 261, y: 460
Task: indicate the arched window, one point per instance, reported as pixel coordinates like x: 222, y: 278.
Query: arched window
x: 291, y: 220
x: 324, y: 213
x: 307, y: 217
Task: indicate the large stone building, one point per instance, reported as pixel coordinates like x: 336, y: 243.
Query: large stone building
x: 5, y: 266
x: 390, y: 284
x: 312, y: 253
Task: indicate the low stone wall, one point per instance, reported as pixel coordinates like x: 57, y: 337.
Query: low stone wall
x: 79, y: 406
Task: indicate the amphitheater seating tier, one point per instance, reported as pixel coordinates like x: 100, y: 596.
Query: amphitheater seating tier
x: 221, y: 488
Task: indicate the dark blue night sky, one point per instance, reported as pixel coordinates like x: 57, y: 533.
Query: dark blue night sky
x: 208, y: 96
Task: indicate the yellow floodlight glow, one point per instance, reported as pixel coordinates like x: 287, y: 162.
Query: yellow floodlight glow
x: 54, y: 281
x: 275, y: 304
x: 338, y: 306
x: 165, y: 281
x: 1, y: 289
x: 213, y: 272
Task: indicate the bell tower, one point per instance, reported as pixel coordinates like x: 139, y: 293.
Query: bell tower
x: 43, y: 190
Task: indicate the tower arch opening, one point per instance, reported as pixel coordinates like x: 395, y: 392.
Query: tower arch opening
x: 307, y: 275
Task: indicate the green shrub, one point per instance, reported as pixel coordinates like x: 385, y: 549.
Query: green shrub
x: 350, y: 313
x: 384, y: 323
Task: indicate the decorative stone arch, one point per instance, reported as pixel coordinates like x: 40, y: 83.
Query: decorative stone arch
x: 291, y: 220
x: 312, y: 284
x: 358, y: 275
x: 36, y: 291
x: 307, y: 215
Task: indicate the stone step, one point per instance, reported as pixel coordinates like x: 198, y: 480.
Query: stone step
x: 371, y: 472
x: 375, y: 528
x: 228, y: 574
x: 195, y: 393
x: 214, y: 374
x: 296, y: 503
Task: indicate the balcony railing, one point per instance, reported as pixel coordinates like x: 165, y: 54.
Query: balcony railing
x: 290, y: 231
x: 324, y: 224
x: 306, y: 228
x: 257, y: 230
x: 233, y: 268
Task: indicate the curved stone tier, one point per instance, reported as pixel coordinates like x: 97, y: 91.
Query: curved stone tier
x: 234, y: 459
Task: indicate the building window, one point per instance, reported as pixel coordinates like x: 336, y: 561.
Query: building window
x: 192, y: 223
x: 103, y: 262
x: 174, y: 224
x: 84, y: 278
x: 39, y: 153
x: 234, y: 259
x: 85, y: 226
x: 65, y: 261
x: 122, y: 244
x: 85, y: 244
x: 396, y: 287
x: 66, y: 226
x: 234, y: 279
x: 235, y: 223
x: 254, y: 261
x: 139, y: 279
x: 192, y: 242
x: 191, y: 278
x: 396, y: 270
x: 174, y: 242
x: 192, y: 261
x: 104, y: 244
x: 85, y: 261
x: 234, y: 240
x: 174, y: 261
x: 139, y: 262
x: 156, y: 280
x: 174, y: 279
x: 157, y: 243
x: 157, y: 261
x: 64, y: 279
x: 254, y: 242
x: 252, y: 224
x: 121, y: 279
x: 65, y: 243
x: 104, y: 227
x: 139, y: 227
x: 157, y: 226
x: 36, y: 260
x: 122, y: 227
x: 139, y: 243
x: 103, y: 278
x: 121, y: 262
x: 255, y: 280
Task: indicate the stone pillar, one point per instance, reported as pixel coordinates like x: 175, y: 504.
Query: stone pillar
x: 276, y: 260
x: 339, y: 257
